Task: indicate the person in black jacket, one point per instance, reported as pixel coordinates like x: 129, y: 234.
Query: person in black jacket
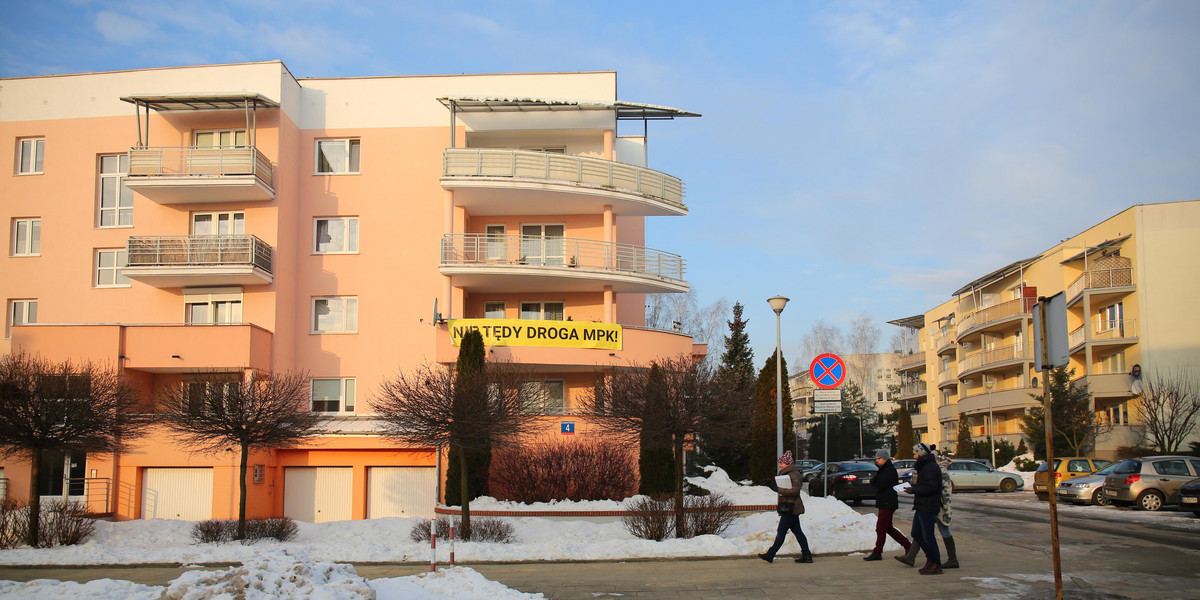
x: 886, y: 503
x: 927, y: 503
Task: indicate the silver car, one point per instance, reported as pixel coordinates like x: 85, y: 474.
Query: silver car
x: 1151, y: 482
x: 1088, y: 489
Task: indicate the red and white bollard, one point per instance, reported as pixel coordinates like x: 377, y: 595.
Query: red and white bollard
x: 452, y: 544
x: 432, y: 550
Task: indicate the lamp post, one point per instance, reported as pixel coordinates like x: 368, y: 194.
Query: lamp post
x: 777, y: 303
x: 989, y: 384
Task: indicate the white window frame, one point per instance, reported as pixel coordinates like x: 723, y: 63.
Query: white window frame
x: 235, y: 218
x: 347, y: 389
x: 19, y: 313
x: 491, y: 304
x: 119, y: 280
x: 542, y: 249
x: 212, y: 297
x: 217, y: 133
x: 351, y: 146
x: 541, y: 309
x: 123, y: 199
x: 348, y: 224
x: 33, y: 237
x: 496, y: 235
x: 31, y: 155
x: 349, y: 307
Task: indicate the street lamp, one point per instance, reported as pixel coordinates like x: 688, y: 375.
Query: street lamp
x: 989, y: 384
x: 777, y: 303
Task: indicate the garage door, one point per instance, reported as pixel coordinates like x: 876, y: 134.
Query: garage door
x: 185, y: 494
x: 401, y: 492
x: 317, y: 494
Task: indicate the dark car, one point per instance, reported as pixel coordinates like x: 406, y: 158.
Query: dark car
x: 814, y: 471
x: 1189, y: 496
x: 847, y: 481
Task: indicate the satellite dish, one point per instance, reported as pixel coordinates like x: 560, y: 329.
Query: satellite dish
x: 1135, y: 388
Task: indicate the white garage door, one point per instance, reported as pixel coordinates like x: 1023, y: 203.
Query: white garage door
x: 401, y: 492
x: 317, y: 494
x: 185, y: 494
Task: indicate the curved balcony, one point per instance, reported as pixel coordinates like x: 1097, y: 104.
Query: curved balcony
x: 998, y: 316
x: 1103, y: 282
x: 948, y: 377
x: 639, y: 346
x: 520, y: 182
x: 945, y: 344
x: 1109, y: 385
x: 994, y: 358
x: 1001, y: 400
x: 948, y: 412
x: 479, y: 261
x: 920, y: 421
x: 911, y: 362
x: 197, y: 260
x: 913, y: 389
x: 192, y: 174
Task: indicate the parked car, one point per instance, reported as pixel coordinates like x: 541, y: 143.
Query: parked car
x: 805, y: 464
x: 903, y: 464
x: 1189, y: 496
x: 847, y: 481
x: 1065, y: 469
x: 815, y: 471
x: 970, y: 474
x: 1151, y: 482
x: 1088, y: 489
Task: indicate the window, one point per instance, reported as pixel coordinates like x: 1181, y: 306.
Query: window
x: 1078, y: 466
x: 338, y: 314
x: 496, y: 244
x: 209, y: 393
x: 546, y: 149
x: 116, y: 200
x: 221, y: 138
x: 1113, y: 363
x: 543, y: 244
x: 335, y: 235
x: 543, y: 397
x: 108, y: 269
x: 493, y: 310
x: 945, y: 397
x: 219, y: 223
x: 20, y: 312
x: 1171, y: 467
x: 880, y: 397
x: 337, y: 156
x: 27, y: 237
x: 543, y: 311
x: 29, y: 156
x: 1118, y: 414
x: 221, y: 306
x: 333, y: 395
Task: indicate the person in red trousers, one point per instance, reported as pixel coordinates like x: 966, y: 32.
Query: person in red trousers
x: 886, y: 503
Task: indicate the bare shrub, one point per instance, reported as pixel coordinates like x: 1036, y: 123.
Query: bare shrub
x: 212, y: 531
x: 707, y: 515
x: 586, y: 469
x: 649, y: 519
x: 483, y: 529
x: 420, y: 531
x: 65, y: 524
x: 279, y: 528
x: 14, y: 524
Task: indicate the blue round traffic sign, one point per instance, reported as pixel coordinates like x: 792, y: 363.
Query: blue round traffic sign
x: 827, y: 371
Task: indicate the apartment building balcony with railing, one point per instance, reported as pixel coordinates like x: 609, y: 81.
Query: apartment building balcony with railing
x: 486, y: 262
x: 194, y: 174
x: 1105, y: 332
x: 995, y: 316
x: 947, y: 412
x: 945, y: 343
x: 920, y: 421
x: 913, y: 389
x: 154, y: 347
x: 496, y: 181
x: 993, y: 358
x: 1110, y: 280
x: 998, y: 399
x: 947, y: 377
x: 911, y: 362
x: 198, y: 260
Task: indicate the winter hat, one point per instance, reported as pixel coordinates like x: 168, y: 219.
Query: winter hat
x: 922, y: 449
x: 883, y: 453
x: 786, y: 459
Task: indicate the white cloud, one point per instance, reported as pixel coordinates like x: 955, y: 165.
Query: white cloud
x: 122, y: 29
x: 476, y: 23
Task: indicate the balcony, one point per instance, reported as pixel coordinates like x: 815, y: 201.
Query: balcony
x: 193, y: 174
x: 639, y: 346
x: 520, y: 182
x: 1001, y: 400
x: 945, y: 344
x: 948, y: 377
x: 1106, y: 281
x: 913, y: 389
x: 167, y: 348
x: 1105, y: 333
x: 535, y: 264
x: 995, y: 316
x: 920, y: 421
x: 948, y: 412
x: 910, y: 362
x: 993, y: 358
x: 198, y: 260
x: 1109, y: 385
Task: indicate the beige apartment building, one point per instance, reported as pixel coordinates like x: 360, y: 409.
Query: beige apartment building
x: 1131, y: 284
x: 233, y: 218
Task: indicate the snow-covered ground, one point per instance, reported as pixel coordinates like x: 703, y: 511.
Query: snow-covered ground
x: 269, y: 567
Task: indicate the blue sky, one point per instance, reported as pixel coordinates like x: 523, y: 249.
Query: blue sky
x: 857, y: 157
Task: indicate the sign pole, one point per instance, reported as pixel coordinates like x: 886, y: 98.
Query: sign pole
x: 1045, y: 369
x: 825, y: 467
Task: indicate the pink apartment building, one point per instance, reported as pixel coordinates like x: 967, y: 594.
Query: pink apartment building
x: 234, y: 218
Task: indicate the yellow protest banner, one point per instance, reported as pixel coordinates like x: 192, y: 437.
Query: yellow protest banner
x: 524, y: 332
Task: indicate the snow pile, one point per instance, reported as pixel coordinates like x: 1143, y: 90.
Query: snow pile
x: 100, y: 589
x: 457, y: 582
x: 1011, y: 467
x: 285, y: 574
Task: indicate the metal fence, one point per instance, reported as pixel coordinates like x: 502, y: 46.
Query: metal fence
x: 198, y: 250
x: 565, y: 253
x: 199, y: 161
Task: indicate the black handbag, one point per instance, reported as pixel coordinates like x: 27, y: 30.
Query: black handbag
x: 785, y: 508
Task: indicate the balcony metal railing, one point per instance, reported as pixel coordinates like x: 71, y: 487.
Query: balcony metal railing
x: 947, y: 376
x: 566, y: 253
x: 913, y: 388
x: 199, y: 161
x: 1100, y: 278
x: 996, y: 312
x: 993, y: 356
x: 908, y: 360
x: 944, y: 341
x: 198, y: 250
x: 595, y: 172
x: 1105, y: 330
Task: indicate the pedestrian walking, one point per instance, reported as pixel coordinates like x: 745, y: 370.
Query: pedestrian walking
x: 943, y: 518
x: 790, y: 508
x: 886, y: 504
x: 927, y: 503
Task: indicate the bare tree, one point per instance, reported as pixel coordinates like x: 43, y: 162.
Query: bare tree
x: 1168, y: 409
x: 210, y: 412
x: 63, y: 407
x: 863, y: 341
x: 432, y: 407
x: 820, y: 339
x: 669, y: 404
x: 905, y: 340
x: 683, y: 313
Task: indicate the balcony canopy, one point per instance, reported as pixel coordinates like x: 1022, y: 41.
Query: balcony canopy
x: 913, y: 322
x: 996, y: 275
x: 625, y: 110
x: 1102, y: 247
x: 202, y: 101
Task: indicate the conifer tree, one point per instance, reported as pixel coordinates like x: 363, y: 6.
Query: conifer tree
x: 904, y: 431
x: 737, y: 372
x: 763, y: 457
x: 965, y: 448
